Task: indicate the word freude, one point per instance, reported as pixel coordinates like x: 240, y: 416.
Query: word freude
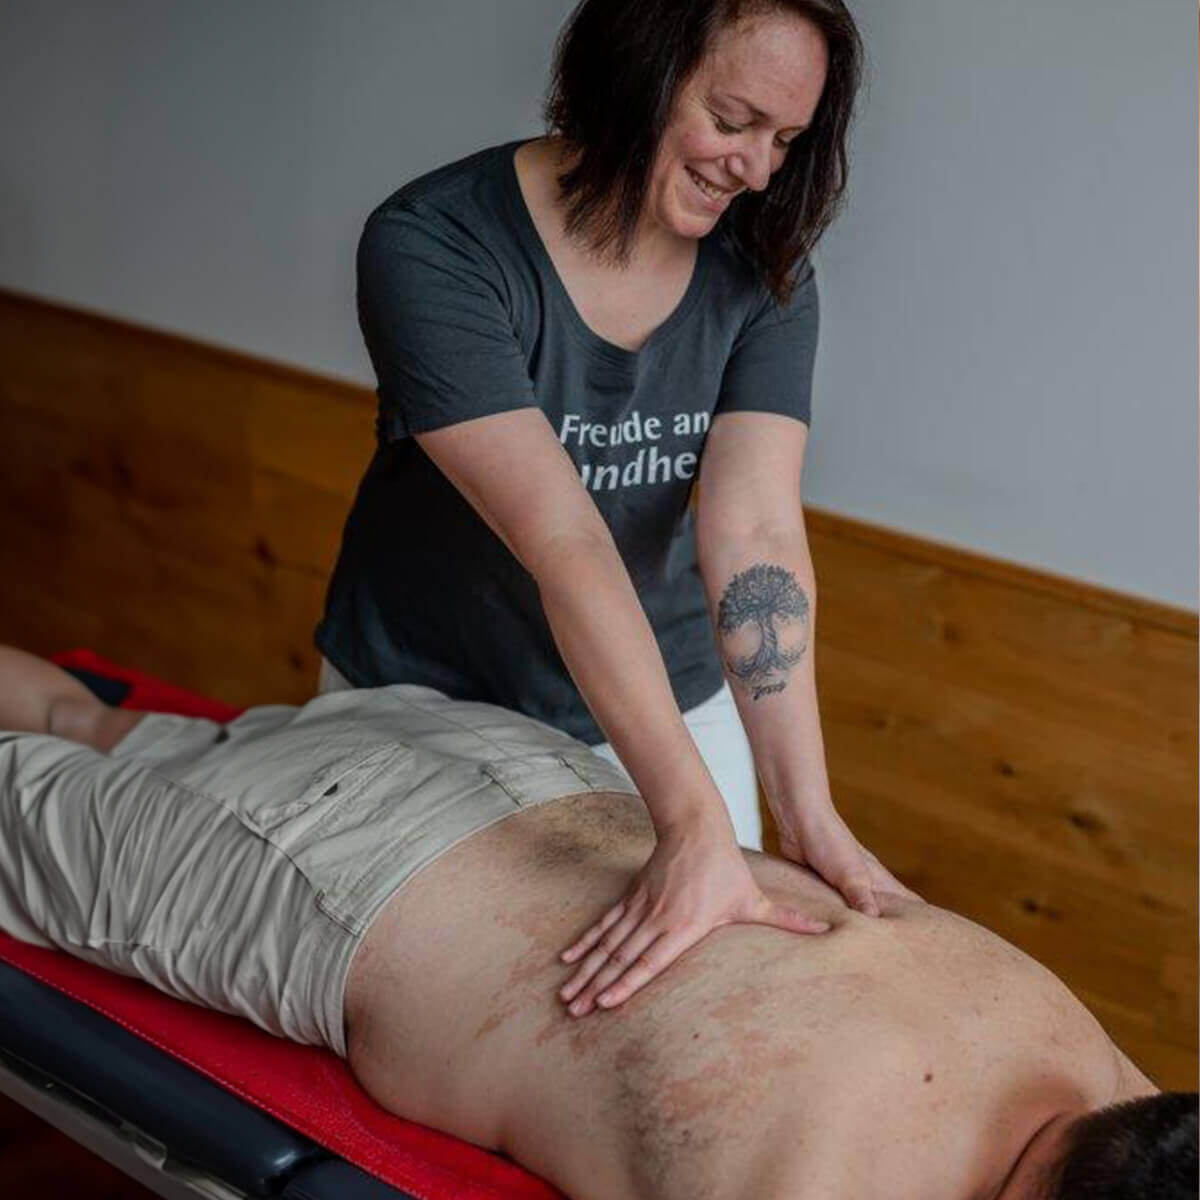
x: 650, y: 464
x: 634, y: 428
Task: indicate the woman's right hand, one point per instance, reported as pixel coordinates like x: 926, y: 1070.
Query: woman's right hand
x: 696, y: 880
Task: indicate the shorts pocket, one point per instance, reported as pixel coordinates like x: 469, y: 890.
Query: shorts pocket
x: 351, y: 823
x: 327, y: 791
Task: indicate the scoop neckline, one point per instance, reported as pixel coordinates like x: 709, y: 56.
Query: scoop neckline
x: 583, y: 331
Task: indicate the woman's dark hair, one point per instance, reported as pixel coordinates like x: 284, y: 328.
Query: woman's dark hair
x: 618, y: 66
x: 1139, y: 1150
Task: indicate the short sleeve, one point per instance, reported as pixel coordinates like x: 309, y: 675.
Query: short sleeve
x: 431, y: 306
x: 770, y: 367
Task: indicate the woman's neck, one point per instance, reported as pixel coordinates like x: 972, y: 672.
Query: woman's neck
x: 652, y: 247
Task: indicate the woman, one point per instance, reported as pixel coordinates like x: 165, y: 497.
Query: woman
x: 568, y: 332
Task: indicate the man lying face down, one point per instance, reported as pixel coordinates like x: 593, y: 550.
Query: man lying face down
x: 392, y: 874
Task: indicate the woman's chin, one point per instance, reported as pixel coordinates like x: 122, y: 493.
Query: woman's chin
x: 689, y: 222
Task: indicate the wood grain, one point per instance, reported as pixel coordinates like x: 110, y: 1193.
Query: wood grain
x: 1019, y: 747
x: 1024, y: 755
x: 179, y: 507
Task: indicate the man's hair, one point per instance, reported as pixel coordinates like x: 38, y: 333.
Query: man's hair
x: 618, y: 66
x: 1139, y: 1150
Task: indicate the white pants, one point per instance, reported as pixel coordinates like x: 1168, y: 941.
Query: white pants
x: 717, y: 731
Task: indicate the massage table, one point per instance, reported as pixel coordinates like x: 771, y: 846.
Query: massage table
x: 194, y: 1103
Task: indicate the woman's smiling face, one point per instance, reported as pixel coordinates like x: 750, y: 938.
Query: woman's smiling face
x: 754, y: 91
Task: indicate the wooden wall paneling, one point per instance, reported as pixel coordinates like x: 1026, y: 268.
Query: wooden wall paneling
x: 1027, y: 758
x: 204, y: 491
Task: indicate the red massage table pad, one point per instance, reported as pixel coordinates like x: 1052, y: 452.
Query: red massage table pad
x: 309, y: 1089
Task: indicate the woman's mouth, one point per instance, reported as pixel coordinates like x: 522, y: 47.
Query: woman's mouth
x: 715, y: 198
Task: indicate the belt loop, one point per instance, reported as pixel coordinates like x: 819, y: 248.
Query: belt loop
x: 566, y: 762
x: 486, y: 769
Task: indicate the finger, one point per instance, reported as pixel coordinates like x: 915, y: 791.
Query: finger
x: 594, y: 933
x: 622, y: 959
x: 855, y: 887
x: 655, y: 959
x: 599, y: 955
x: 783, y: 916
x: 852, y: 878
x: 861, y: 895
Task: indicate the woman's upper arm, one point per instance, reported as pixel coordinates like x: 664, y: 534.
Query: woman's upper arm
x: 750, y: 469
x: 434, y: 309
x: 771, y: 363
x: 515, y: 473
x: 750, y: 476
x: 435, y: 313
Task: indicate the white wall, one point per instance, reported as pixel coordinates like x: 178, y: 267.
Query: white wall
x: 1008, y: 358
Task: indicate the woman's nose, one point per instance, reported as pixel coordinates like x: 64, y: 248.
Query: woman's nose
x: 752, y: 165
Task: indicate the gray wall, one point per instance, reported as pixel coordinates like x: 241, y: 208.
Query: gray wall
x: 205, y: 166
x: 1008, y: 359
x: 1009, y: 349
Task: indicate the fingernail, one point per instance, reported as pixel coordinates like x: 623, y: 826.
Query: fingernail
x: 822, y: 927
x: 604, y: 1000
x: 576, y: 1008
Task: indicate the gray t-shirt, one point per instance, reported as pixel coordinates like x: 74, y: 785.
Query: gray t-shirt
x: 464, y: 315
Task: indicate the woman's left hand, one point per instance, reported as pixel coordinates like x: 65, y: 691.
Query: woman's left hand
x: 815, y: 836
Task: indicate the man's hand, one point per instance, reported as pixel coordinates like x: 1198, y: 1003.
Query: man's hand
x: 695, y: 881
x: 816, y: 837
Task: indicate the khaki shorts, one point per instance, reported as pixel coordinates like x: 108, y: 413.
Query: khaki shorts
x: 240, y: 866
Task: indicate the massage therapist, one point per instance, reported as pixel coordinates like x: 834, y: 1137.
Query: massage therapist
x: 569, y: 333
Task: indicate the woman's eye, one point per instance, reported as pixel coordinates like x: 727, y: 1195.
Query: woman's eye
x: 724, y: 126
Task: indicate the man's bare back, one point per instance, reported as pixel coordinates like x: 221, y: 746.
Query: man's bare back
x: 909, y: 1056
x: 912, y: 1055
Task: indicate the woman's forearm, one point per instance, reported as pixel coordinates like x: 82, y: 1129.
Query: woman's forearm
x: 762, y: 594
x: 608, y: 646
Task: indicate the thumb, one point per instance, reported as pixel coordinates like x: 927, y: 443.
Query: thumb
x: 852, y: 878
x: 783, y: 916
x: 859, y: 894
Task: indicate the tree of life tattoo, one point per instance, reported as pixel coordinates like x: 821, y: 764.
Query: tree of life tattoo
x: 762, y: 624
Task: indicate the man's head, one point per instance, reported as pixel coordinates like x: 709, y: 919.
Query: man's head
x: 1141, y: 1149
